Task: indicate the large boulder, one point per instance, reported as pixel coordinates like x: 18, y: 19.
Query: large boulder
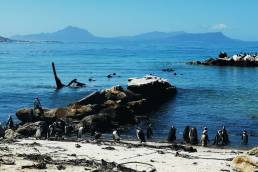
x: 99, y: 121
x: 151, y: 87
x: 96, y: 97
x: 25, y: 115
x: 139, y: 106
x: 244, y: 163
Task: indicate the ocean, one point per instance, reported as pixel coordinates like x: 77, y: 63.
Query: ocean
x: 207, y: 95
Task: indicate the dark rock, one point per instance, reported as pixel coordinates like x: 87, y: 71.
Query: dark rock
x: 97, y: 121
x: 25, y: 115
x: 138, y: 106
x: 152, y: 87
x: 29, y: 129
x: 109, y: 76
x: 60, y: 167
x: 77, y: 145
x: 94, y: 98
x: 244, y: 60
x: 168, y: 70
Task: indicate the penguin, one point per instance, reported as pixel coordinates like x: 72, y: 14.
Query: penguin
x: 186, y: 134
x: 67, y: 130
x: 140, y: 135
x: 204, y: 137
x: 10, y: 124
x: 218, y: 140
x: 38, y: 132
x: 193, y: 136
x: 80, y: 132
x: 2, y: 132
x: 172, y: 134
x: 97, y: 135
x: 225, y: 136
x: 149, y: 132
x: 116, y: 136
x: 244, y: 138
x: 50, y: 131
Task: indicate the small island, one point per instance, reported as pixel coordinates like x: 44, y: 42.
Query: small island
x: 242, y: 60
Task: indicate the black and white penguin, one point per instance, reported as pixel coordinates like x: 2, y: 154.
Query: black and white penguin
x: 204, y: 137
x: 2, y: 131
x: 50, y: 131
x: 172, y: 134
x: 116, y: 136
x: 140, y: 135
x: 218, y: 140
x: 193, y: 136
x: 39, y: 131
x: 225, y: 136
x: 10, y: 124
x: 149, y: 132
x: 186, y: 134
x: 244, y: 138
x: 80, y: 132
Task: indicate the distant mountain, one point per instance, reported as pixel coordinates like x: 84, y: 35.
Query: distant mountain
x: 202, y: 37
x: 68, y: 34
x: 74, y: 34
x: 151, y: 36
x: 3, y: 39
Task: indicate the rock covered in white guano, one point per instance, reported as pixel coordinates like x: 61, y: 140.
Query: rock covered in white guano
x: 246, y: 60
x: 151, y: 87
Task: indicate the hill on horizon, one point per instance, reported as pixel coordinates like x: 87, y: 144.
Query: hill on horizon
x: 3, y: 39
x: 75, y: 34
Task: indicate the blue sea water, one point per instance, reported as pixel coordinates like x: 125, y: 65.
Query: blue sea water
x: 207, y: 96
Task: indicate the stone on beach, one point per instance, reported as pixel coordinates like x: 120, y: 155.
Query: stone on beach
x: 244, y: 163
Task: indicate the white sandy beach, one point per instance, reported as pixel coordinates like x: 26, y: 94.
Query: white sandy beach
x: 164, y: 160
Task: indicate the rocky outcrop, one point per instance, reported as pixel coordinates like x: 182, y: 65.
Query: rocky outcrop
x: 106, y: 108
x: 244, y: 60
x: 151, y: 87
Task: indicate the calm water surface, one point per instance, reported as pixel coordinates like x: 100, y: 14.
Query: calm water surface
x: 207, y: 96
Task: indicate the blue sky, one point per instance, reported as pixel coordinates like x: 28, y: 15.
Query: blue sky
x: 235, y: 18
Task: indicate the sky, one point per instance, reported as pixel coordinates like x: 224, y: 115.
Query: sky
x: 235, y: 18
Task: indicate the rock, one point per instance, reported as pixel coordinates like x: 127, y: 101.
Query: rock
x: 138, y: 106
x: 168, y: 70
x: 151, y: 87
x: 253, y: 152
x: 25, y: 115
x: 96, y: 97
x: 104, y: 109
x: 9, y: 134
x: 244, y: 163
x: 245, y: 60
x: 99, y: 121
x: 29, y: 129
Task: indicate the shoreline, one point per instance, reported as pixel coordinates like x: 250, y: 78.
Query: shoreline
x: 87, y: 155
